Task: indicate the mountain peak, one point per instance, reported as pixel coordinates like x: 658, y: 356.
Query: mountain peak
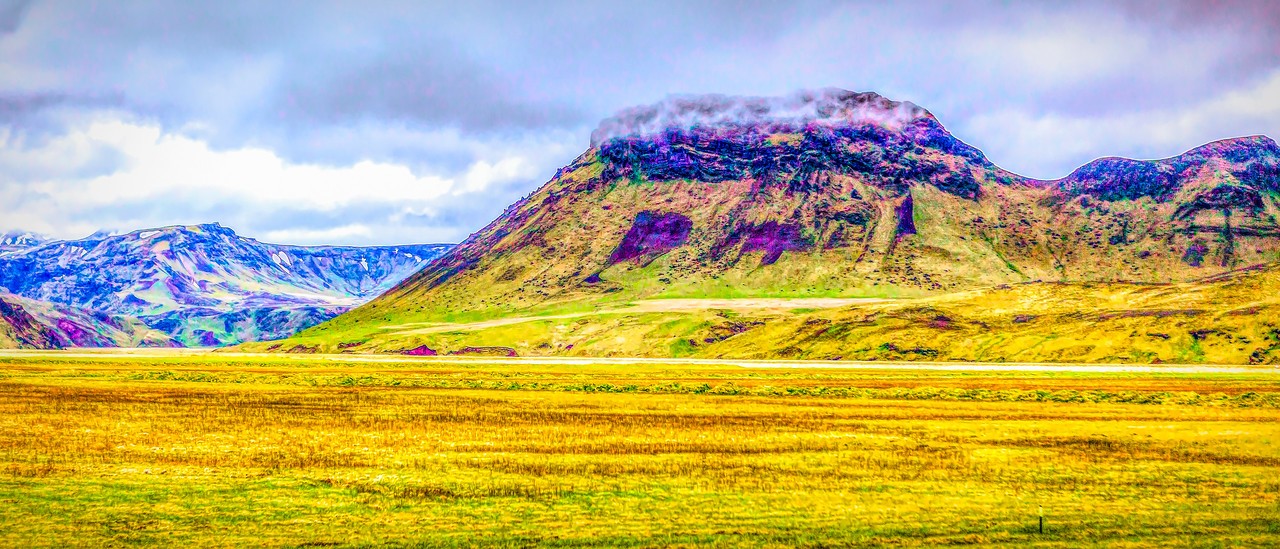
x: 837, y: 193
x: 17, y: 240
x: 213, y: 228
x: 787, y: 140
x: 1238, y: 149
x: 1253, y: 161
x: 176, y: 230
x: 828, y: 106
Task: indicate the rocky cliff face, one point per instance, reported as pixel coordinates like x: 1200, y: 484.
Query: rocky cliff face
x: 837, y: 193
x: 204, y: 285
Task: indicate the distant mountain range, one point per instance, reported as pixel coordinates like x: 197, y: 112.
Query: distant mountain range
x: 825, y: 194
x: 199, y: 285
x: 19, y: 241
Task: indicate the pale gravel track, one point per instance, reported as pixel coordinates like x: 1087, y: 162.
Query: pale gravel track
x: 1184, y: 369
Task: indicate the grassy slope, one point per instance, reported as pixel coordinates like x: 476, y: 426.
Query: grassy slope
x: 7, y: 340
x: 534, y: 260
x: 1236, y: 321
x: 20, y: 329
x: 201, y: 451
x: 1232, y: 320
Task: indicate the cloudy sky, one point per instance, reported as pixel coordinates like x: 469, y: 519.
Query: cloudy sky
x: 382, y: 122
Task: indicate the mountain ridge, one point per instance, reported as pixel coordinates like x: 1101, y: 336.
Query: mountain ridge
x: 622, y: 160
x: 204, y: 285
x: 874, y: 206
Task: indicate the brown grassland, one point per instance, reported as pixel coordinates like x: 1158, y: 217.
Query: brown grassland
x: 224, y: 450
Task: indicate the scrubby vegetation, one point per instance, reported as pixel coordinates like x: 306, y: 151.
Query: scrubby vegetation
x: 292, y: 451
x: 1231, y: 319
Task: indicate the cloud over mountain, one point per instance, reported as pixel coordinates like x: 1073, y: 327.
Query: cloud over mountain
x: 457, y: 95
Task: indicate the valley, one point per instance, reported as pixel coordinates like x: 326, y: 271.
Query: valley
x: 850, y: 330
x: 640, y: 275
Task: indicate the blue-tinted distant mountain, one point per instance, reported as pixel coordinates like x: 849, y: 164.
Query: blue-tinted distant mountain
x: 16, y: 240
x: 203, y: 284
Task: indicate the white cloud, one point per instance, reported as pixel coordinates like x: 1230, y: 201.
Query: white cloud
x: 483, y: 175
x: 1051, y: 145
x: 425, y: 122
x: 161, y: 162
x: 335, y: 234
x: 153, y: 170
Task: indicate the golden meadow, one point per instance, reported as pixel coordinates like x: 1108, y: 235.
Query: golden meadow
x: 224, y: 450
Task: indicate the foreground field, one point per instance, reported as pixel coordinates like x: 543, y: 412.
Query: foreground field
x: 288, y: 451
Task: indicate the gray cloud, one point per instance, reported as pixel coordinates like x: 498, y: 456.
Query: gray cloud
x: 386, y: 220
x: 443, y: 87
x: 427, y: 84
x: 11, y: 13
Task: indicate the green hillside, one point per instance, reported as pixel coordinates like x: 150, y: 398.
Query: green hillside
x: 864, y: 209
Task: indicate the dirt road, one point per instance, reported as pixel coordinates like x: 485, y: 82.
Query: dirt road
x: 1185, y: 369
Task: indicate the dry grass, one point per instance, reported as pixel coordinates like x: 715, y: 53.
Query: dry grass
x: 144, y: 450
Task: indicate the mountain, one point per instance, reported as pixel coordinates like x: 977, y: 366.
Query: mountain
x: 19, y: 329
x: 828, y: 194
x: 13, y: 241
x: 30, y: 324
x: 204, y: 285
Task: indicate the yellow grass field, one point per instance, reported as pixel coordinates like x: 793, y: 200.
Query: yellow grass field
x: 234, y: 450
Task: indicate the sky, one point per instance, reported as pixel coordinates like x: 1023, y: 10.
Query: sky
x: 368, y: 123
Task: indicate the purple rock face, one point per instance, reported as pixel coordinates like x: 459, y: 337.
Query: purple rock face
x: 421, y: 350
x: 731, y: 152
x: 1194, y: 256
x: 1244, y: 200
x: 906, y: 217
x: 206, y: 338
x: 1256, y: 163
x: 771, y: 237
x: 79, y: 336
x: 652, y: 235
x: 1122, y: 179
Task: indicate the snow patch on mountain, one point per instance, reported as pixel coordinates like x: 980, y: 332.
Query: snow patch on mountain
x: 13, y: 241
